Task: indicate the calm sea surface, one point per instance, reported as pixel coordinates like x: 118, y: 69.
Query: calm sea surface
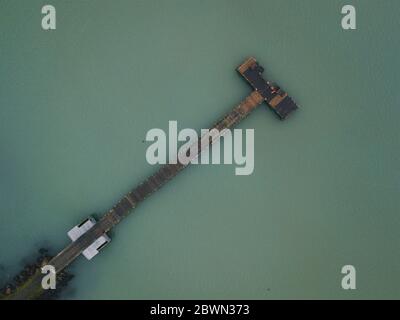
x: 76, y: 103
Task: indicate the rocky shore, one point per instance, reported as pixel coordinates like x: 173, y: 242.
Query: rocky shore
x: 31, y: 271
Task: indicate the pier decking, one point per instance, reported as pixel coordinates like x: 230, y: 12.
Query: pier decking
x: 263, y: 91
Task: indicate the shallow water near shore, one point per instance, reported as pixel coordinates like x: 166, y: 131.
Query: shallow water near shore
x: 76, y: 103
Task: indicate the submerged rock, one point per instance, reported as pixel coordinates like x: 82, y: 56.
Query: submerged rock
x: 32, y: 272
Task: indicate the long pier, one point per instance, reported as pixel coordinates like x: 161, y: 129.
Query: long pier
x: 263, y: 91
x: 131, y: 200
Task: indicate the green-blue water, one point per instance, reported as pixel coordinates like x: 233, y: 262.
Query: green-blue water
x: 76, y: 103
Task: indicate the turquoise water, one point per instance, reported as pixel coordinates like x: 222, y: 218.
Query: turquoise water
x: 76, y: 103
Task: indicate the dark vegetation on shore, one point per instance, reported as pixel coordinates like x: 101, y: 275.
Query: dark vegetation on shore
x: 31, y: 271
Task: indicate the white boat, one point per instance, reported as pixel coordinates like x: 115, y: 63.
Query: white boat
x: 97, y: 245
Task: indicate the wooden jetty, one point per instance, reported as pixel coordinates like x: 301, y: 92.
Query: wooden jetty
x: 264, y: 91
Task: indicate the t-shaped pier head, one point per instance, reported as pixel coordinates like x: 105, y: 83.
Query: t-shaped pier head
x: 276, y: 98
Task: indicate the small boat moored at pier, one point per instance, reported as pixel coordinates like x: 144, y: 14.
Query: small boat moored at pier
x: 82, y: 228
